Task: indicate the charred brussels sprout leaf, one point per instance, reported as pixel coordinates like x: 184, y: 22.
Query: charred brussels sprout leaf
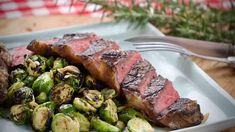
x: 61, y: 93
x: 42, y: 86
x: 121, y: 125
x: 102, y: 126
x: 139, y: 125
x: 63, y: 123
x: 41, y: 118
x: 108, y: 93
x: 83, y: 121
x: 83, y: 106
x: 108, y: 111
x: 93, y: 97
x: 23, y: 95
x: 35, y: 65
x: 18, y: 75
x: 29, y: 80
x: 128, y: 113
x: 59, y: 63
x: 67, y: 108
x: 20, y: 114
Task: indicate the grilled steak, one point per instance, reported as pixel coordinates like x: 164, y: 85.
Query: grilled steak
x: 18, y: 55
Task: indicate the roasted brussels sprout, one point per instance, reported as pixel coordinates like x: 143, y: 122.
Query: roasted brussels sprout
x: 139, y: 125
x: 63, y: 123
x: 93, y: 83
x: 83, y: 121
x: 128, y: 113
x: 18, y: 74
x: 93, y: 97
x: 41, y: 118
x: 35, y: 65
x: 59, y: 63
x: 61, y: 93
x: 67, y: 108
x: 42, y: 86
x: 70, y: 75
x: 23, y: 95
x: 10, y: 93
x: 50, y: 62
x: 102, y: 126
x: 108, y: 93
x: 108, y: 111
x: 20, y: 113
x: 49, y: 104
x: 29, y: 80
x: 83, y: 106
x: 121, y: 125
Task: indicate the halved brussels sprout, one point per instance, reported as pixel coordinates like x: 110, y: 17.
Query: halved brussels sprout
x: 10, y: 93
x: 102, y: 126
x: 128, y: 113
x: 108, y: 111
x: 83, y: 106
x: 93, y: 83
x: 61, y: 93
x: 23, y: 95
x: 108, y: 93
x: 18, y: 74
x: 121, y: 125
x: 83, y: 121
x: 49, y: 104
x: 42, y: 86
x: 93, y: 97
x: 67, y: 108
x: 139, y: 125
x: 63, y: 123
x: 59, y: 63
x: 29, y: 80
x: 20, y: 113
x: 41, y: 118
x: 35, y: 65
x: 70, y: 75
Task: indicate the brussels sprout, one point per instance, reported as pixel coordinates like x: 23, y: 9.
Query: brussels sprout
x: 42, y: 85
x: 121, y: 125
x: 50, y: 62
x: 63, y: 123
x: 49, y: 104
x: 102, y: 126
x: 67, y: 108
x: 93, y: 83
x: 18, y: 75
x: 93, y: 97
x: 42, y: 97
x: 29, y: 80
x: 139, y: 125
x: 71, y: 75
x: 59, y: 63
x: 83, y: 106
x: 41, y: 118
x: 32, y: 105
x: 126, y: 114
x: 108, y: 93
x: 23, y: 95
x: 20, y: 114
x: 10, y: 93
x: 120, y: 108
x: 35, y: 65
x: 108, y: 111
x: 61, y: 93
x: 83, y: 121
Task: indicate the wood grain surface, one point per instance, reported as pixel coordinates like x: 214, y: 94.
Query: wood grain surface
x: 222, y: 73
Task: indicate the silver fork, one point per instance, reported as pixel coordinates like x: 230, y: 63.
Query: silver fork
x: 164, y: 46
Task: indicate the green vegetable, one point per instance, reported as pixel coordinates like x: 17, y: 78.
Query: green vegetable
x: 59, y: 63
x: 121, y: 125
x: 108, y: 111
x: 63, y: 123
x: 35, y: 65
x: 42, y: 85
x: 139, y: 125
x: 93, y: 97
x: 42, y: 97
x: 50, y: 62
x: 61, y: 93
x: 18, y: 75
x: 108, y: 93
x: 10, y: 92
x: 23, y: 95
x: 29, y: 80
x: 92, y: 82
x: 20, y: 114
x: 102, y: 126
x: 83, y: 106
x: 83, y: 121
x: 49, y: 104
x: 41, y: 118
x: 67, y: 108
x: 126, y: 114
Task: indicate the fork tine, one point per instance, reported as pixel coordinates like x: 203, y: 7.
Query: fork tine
x: 160, y: 48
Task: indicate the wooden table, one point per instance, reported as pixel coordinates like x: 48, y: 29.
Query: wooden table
x: 223, y: 74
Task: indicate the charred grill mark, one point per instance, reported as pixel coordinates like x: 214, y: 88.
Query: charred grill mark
x: 113, y: 57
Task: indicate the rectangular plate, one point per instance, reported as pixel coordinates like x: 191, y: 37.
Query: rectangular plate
x: 189, y: 80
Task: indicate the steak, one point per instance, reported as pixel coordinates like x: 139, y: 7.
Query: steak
x: 18, y: 55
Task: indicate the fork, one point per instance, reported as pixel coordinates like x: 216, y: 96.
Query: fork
x: 165, y: 46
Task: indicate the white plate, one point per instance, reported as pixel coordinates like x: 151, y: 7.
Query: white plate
x: 189, y: 80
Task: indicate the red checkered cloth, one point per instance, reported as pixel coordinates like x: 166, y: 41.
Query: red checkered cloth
x: 21, y: 8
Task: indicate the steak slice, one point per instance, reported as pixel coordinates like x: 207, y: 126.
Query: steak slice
x: 183, y: 113
x: 18, y: 55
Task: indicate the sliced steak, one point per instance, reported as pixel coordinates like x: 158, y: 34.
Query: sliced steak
x: 18, y: 55
x: 183, y: 113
